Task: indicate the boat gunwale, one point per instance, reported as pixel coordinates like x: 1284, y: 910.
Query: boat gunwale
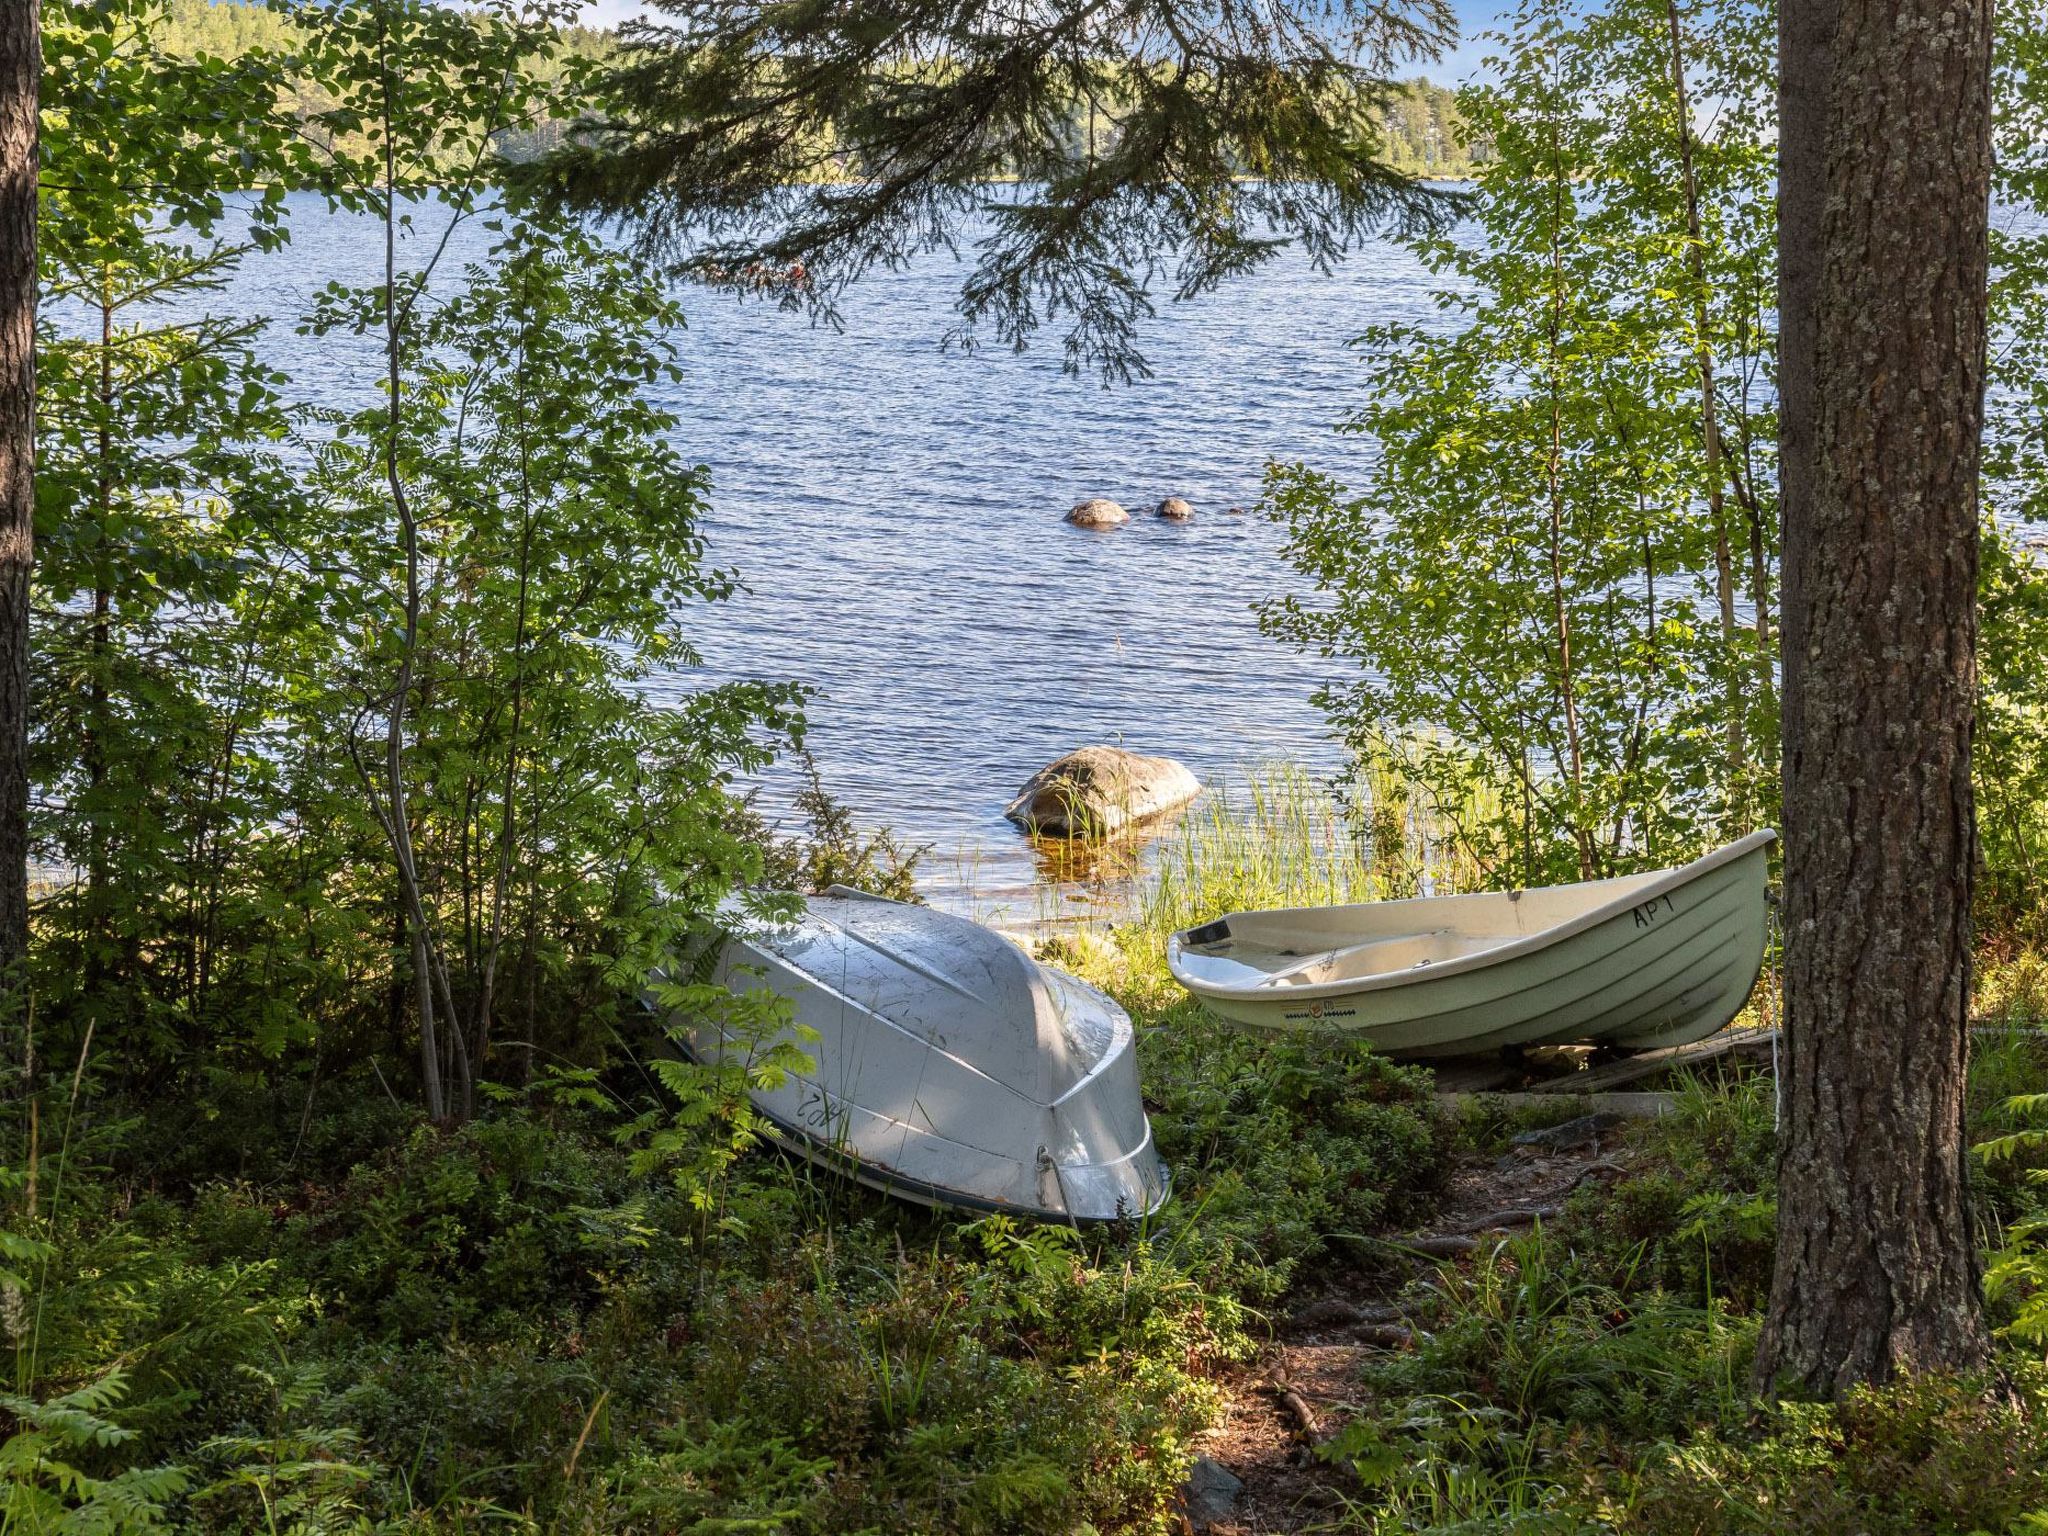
x: 1667, y: 881
x: 886, y: 1180
x: 1710, y: 940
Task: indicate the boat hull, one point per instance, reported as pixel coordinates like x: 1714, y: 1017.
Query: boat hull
x: 944, y: 1065
x: 1652, y: 962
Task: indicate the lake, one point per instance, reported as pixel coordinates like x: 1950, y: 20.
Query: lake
x: 895, y: 511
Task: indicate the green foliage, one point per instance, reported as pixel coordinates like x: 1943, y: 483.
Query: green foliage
x: 141, y: 1380
x: 521, y: 1314
x: 557, y: 556
x: 1594, y: 1376
x: 514, y: 550
x: 1281, y: 1149
x: 1697, y: 1215
x: 232, y: 29
x: 1441, y: 1464
x: 1527, y: 585
x: 162, y: 507
x: 272, y: 642
x: 45, y: 1491
x: 1286, y: 841
x: 402, y: 1236
x: 1284, y: 1147
x: 2016, y: 1277
x: 832, y: 849
x: 1932, y: 1456
x: 906, y: 1390
x: 2011, y: 741
x: 1427, y: 134
x: 1536, y: 1332
x: 714, y: 1122
x: 2015, y: 451
x: 285, y: 1469
x: 2009, y: 758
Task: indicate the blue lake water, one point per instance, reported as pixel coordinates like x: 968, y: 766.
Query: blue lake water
x: 895, y: 510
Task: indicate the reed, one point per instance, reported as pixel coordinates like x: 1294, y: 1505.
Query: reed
x: 1282, y: 837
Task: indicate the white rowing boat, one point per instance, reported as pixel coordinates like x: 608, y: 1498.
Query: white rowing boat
x: 1639, y: 962
x: 950, y: 1067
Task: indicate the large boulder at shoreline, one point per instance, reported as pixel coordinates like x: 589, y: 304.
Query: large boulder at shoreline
x: 1098, y: 790
x: 1175, y: 510
x: 1097, y: 512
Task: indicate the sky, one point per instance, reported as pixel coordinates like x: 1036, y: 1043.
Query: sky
x: 1474, y: 16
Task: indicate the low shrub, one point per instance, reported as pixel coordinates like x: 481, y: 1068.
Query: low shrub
x: 1697, y: 1215
x: 1535, y: 1332
x: 1925, y: 1457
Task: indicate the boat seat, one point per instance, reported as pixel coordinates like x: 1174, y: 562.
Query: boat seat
x: 1393, y: 952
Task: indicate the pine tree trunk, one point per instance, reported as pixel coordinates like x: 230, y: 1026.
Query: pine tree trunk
x: 21, y: 57
x: 1884, y: 198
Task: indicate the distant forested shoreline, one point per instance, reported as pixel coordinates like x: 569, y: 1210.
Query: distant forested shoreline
x: 1426, y: 134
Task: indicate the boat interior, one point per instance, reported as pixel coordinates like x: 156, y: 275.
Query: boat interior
x: 1315, y: 946
x: 1251, y: 965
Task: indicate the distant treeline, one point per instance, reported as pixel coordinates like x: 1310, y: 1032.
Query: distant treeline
x: 1425, y: 133
x: 230, y: 28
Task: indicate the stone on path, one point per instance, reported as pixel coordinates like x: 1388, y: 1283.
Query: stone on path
x: 1210, y: 1496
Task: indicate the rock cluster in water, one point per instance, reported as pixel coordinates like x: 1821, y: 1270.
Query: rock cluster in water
x: 1095, y: 791
x: 1101, y: 512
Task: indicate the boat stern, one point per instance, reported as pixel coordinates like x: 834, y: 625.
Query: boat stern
x: 1132, y: 1187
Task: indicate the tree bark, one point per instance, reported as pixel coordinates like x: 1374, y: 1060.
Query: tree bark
x: 1884, y: 194
x: 21, y: 62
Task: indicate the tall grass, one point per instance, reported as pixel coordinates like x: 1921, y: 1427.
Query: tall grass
x: 1284, y: 838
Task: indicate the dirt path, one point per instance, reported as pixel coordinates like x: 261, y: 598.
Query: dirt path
x: 1307, y: 1383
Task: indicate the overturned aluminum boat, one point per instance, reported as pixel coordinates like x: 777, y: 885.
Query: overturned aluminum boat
x: 1639, y: 962
x: 950, y: 1067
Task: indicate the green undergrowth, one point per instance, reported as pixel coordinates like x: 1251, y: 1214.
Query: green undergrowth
x: 569, y: 1314
x: 1285, y: 1152
x: 1594, y: 1375
x: 289, y: 1304
x: 520, y: 1321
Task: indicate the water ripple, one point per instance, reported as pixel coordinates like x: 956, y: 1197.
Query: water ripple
x: 895, y: 510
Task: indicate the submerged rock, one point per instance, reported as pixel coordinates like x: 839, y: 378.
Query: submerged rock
x: 1176, y: 510
x: 1097, y: 512
x: 1097, y: 790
